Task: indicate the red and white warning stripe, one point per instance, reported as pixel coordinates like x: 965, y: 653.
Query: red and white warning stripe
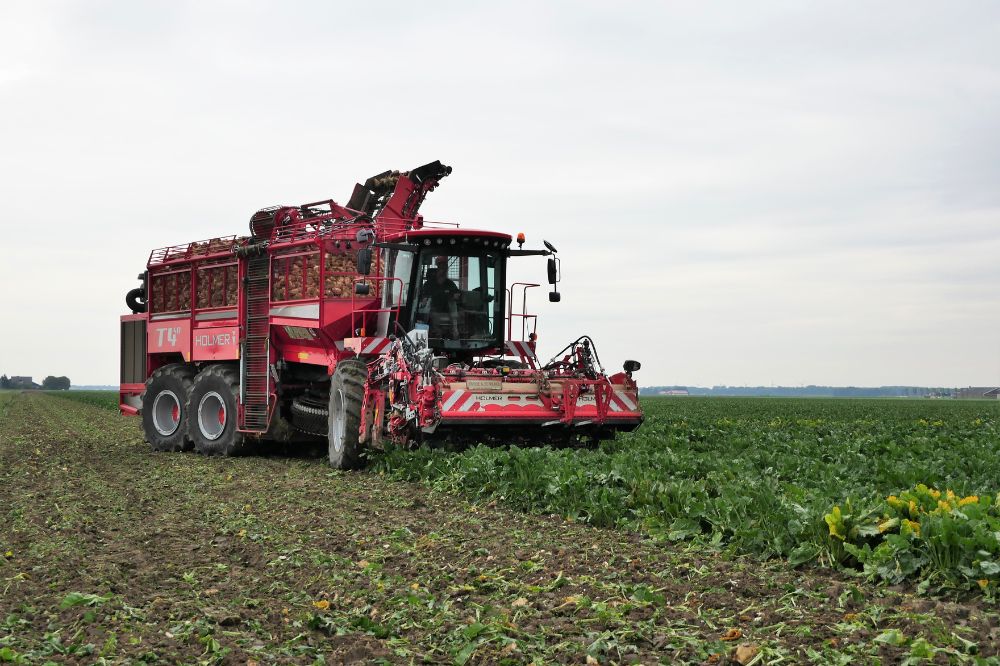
x: 368, y: 345
x: 520, y: 348
x: 463, y: 401
x: 621, y: 402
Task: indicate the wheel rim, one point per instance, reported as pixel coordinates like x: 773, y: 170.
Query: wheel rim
x: 339, y: 426
x: 166, y: 413
x: 212, y: 415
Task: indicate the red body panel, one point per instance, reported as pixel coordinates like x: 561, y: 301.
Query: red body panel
x: 169, y: 336
x: 310, y: 355
x: 215, y: 343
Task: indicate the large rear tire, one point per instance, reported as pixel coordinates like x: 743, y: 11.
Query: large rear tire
x: 347, y: 390
x: 212, y: 412
x: 164, y: 408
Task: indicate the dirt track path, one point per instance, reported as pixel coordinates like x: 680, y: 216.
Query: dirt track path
x: 265, y: 560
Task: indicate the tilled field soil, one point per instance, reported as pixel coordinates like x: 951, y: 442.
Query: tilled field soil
x: 113, y: 554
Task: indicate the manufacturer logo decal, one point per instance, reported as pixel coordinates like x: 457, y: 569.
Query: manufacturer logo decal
x: 210, y: 340
x: 169, y: 333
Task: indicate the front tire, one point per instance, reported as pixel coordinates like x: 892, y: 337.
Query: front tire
x: 212, y: 412
x: 164, y: 408
x: 347, y: 389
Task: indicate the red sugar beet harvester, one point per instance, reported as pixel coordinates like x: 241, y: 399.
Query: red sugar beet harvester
x: 356, y: 324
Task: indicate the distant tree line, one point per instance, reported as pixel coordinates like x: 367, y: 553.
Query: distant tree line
x: 50, y: 383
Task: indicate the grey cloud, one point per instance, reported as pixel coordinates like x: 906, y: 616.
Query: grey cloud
x: 779, y: 193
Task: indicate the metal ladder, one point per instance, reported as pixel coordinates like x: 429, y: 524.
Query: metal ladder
x: 255, y: 379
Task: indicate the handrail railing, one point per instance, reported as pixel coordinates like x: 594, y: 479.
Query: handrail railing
x: 392, y: 309
x: 203, y: 248
x: 523, y: 314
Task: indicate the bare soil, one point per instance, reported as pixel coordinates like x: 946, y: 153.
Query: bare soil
x: 111, y: 552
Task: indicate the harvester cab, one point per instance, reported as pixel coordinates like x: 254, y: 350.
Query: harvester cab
x: 450, y: 289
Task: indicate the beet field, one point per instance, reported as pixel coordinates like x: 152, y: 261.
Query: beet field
x: 724, y: 531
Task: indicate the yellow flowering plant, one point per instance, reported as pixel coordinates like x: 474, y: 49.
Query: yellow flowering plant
x: 923, y: 532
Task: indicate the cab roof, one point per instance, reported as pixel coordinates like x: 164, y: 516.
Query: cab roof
x: 419, y: 234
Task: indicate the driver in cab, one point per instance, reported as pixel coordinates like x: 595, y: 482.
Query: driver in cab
x: 443, y: 295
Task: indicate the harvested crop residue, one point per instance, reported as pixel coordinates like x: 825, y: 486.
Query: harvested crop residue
x: 109, y: 550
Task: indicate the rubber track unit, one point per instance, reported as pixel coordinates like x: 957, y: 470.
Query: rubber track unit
x: 310, y: 419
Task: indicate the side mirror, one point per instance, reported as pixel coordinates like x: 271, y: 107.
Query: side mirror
x: 553, y: 269
x: 631, y: 366
x: 365, y: 261
x: 554, y: 297
x: 361, y: 288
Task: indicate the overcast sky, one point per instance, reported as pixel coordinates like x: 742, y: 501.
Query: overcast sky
x: 741, y: 193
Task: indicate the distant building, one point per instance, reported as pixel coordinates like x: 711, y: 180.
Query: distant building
x: 22, y: 383
x: 674, y: 392
x: 977, y: 393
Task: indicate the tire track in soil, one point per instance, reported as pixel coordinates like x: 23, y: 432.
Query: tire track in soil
x: 246, y: 552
